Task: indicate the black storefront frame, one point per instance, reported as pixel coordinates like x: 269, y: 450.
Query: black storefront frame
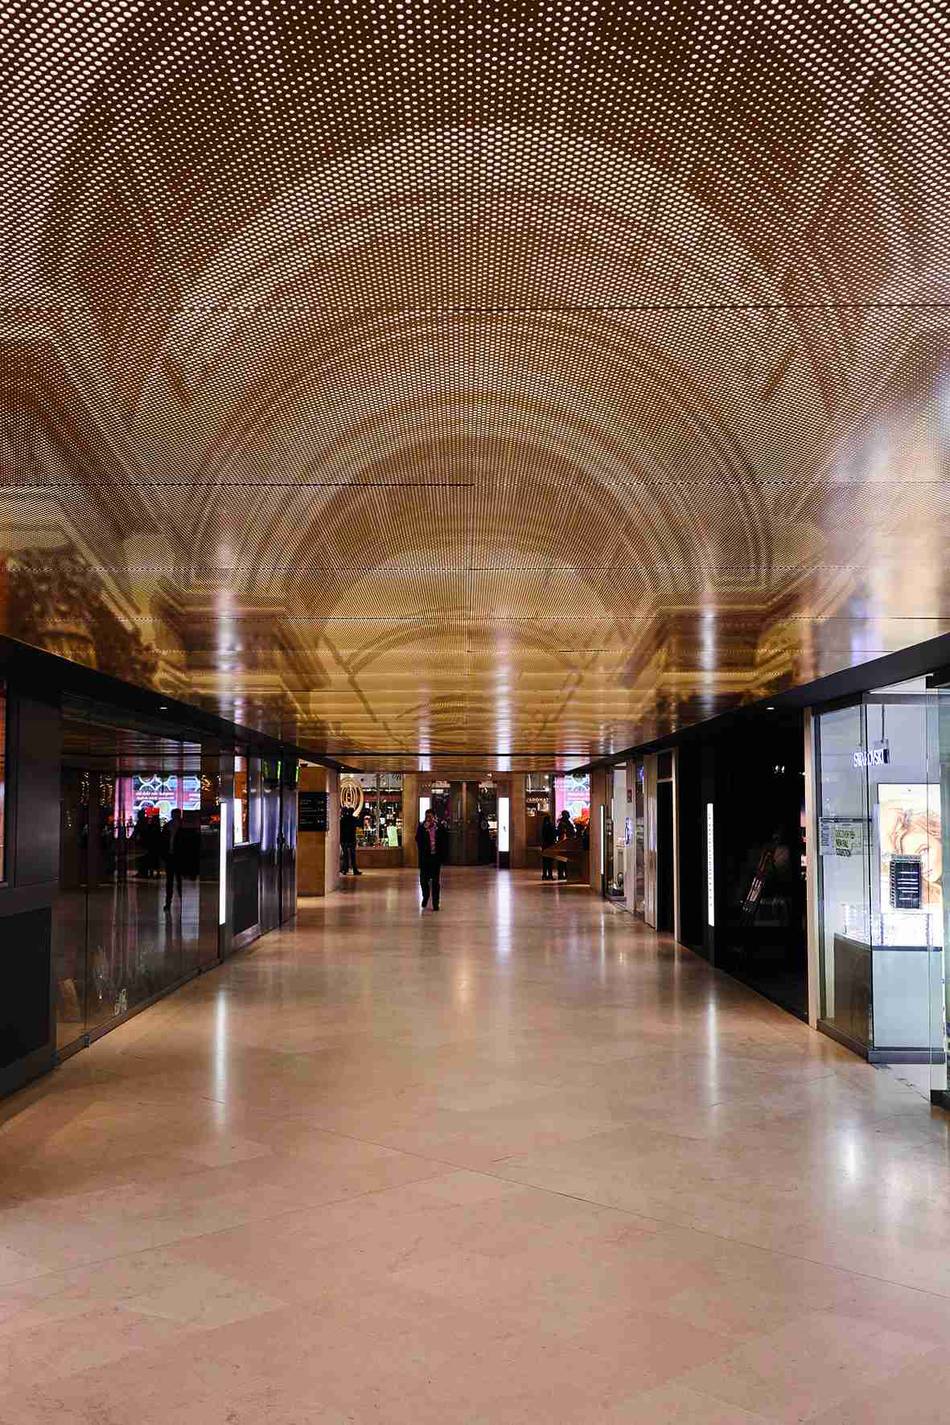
x: 844, y: 688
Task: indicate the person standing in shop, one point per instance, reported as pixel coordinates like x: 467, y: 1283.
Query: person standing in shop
x: 432, y: 840
x: 565, y: 834
x: 348, y: 842
x: 548, y: 838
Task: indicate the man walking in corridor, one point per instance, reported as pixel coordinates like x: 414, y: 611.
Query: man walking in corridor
x: 432, y: 839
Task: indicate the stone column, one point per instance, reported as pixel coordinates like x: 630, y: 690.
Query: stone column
x: 519, y: 857
x: 318, y: 852
x: 410, y: 818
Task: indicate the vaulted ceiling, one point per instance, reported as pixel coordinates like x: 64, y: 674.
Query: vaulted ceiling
x: 503, y: 383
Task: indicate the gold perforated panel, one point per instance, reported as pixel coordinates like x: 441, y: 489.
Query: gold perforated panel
x: 477, y: 382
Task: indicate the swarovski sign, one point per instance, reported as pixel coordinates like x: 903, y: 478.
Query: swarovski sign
x: 874, y: 757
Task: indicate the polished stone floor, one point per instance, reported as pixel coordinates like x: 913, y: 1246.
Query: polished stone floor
x: 521, y: 1161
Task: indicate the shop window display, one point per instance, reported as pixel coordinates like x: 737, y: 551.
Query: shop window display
x: 572, y: 792
x: 247, y: 800
x: 538, y: 803
x: 882, y: 774
x: 241, y: 802
x: 375, y: 798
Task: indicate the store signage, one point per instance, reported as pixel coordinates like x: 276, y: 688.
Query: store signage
x: 873, y: 757
x: 351, y: 797
x: 710, y: 868
x: 840, y: 836
x: 312, y: 811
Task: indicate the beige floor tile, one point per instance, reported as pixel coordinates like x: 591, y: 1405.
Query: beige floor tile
x: 807, y: 1366
x: 523, y: 1162
x: 676, y: 1405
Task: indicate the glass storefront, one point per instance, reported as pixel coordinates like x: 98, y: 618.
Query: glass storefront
x: 138, y: 905
x: 883, y: 774
x: 3, y: 783
x: 376, y: 799
x: 487, y: 823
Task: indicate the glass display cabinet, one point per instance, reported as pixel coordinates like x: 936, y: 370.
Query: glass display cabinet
x: 883, y: 775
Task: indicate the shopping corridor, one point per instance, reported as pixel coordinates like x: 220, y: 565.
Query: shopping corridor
x: 520, y: 1161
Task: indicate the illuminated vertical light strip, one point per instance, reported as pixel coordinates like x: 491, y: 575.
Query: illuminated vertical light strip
x: 504, y: 804
x: 603, y: 839
x: 223, y: 867
x: 710, y: 868
x: 424, y: 805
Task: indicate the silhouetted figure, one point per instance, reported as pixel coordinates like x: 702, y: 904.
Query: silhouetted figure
x: 548, y: 838
x: 432, y: 839
x: 348, y: 824
x: 148, y: 834
x: 565, y: 834
x: 173, y: 855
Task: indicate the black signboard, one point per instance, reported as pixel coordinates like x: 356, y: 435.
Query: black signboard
x: 312, y: 811
x: 905, y: 882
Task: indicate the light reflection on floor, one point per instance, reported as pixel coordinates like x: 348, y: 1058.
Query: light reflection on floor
x: 522, y: 1161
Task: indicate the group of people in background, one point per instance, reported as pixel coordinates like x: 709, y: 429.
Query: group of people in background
x: 555, y: 840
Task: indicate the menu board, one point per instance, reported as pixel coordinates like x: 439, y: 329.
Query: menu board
x: 311, y: 811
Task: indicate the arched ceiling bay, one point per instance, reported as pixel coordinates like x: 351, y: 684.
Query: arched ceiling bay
x: 499, y: 383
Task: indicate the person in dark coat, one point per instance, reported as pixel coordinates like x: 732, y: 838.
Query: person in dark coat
x: 432, y: 839
x: 565, y: 832
x: 174, y: 854
x: 548, y: 838
x: 348, y: 842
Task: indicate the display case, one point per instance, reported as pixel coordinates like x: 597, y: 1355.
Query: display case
x: 375, y: 798
x: 882, y: 790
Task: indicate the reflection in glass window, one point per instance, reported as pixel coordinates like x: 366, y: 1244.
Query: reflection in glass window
x: 572, y: 793
x: 154, y: 791
x: 3, y: 783
x: 241, y: 802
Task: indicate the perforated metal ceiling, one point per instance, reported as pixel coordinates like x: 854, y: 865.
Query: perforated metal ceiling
x: 477, y: 380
